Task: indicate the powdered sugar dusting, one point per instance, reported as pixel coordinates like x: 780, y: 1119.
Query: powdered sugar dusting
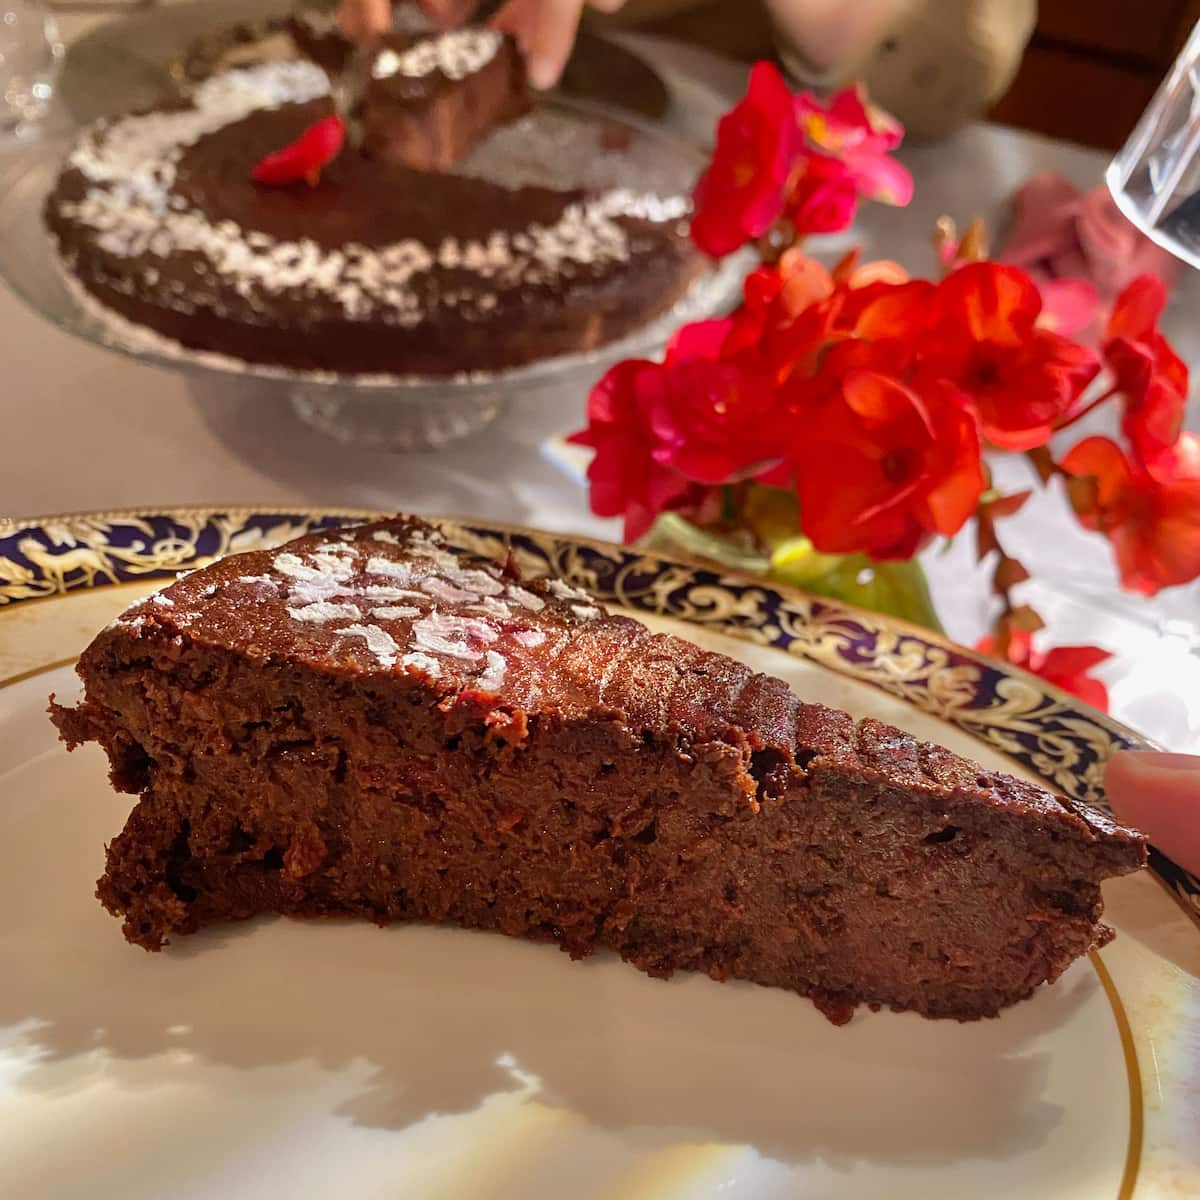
x: 387, y: 594
x: 422, y: 662
x: 473, y: 579
x: 529, y: 638
x: 379, y: 642
x: 490, y: 606
x: 389, y: 569
x: 456, y: 55
x: 441, y: 589
x: 329, y: 572
x: 494, y: 671
x: 451, y: 635
x: 321, y: 611
x: 564, y: 591
x: 526, y: 598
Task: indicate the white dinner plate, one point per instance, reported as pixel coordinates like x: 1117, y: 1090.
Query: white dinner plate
x: 287, y: 1059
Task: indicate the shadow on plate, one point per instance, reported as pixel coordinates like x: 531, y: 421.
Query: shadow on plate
x: 446, y: 1019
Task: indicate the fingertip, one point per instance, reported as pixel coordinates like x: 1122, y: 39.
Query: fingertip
x: 543, y: 72
x: 1159, y: 794
x: 360, y: 19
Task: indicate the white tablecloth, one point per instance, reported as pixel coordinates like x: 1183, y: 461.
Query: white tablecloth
x: 87, y: 429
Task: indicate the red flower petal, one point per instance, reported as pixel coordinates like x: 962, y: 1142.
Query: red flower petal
x: 304, y: 158
x: 823, y: 198
x: 1152, y: 519
x: 1137, y: 309
x: 1150, y: 375
x: 990, y: 302
x: 1065, y: 667
x: 741, y: 193
x: 1023, y: 380
x: 881, y: 467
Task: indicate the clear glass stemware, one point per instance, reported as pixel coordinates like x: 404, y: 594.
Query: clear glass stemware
x: 30, y: 54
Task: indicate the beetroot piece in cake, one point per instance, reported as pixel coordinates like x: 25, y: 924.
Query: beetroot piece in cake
x: 366, y: 723
x: 379, y: 268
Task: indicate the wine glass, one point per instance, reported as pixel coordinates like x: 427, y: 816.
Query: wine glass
x: 1155, y: 177
x: 30, y: 54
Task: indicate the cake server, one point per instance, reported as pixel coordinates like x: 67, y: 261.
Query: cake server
x: 348, y: 87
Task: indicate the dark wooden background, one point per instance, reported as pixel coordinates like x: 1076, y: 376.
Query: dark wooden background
x: 1093, y: 66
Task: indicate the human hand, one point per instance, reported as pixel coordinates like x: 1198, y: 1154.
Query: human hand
x: 831, y: 33
x: 544, y: 29
x: 1159, y: 794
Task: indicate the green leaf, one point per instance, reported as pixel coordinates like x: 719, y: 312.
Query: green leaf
x: 797, y: 561
x: 771, y: 514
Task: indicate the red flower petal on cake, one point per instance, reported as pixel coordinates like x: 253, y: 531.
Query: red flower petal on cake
x: 1152, y: 377
x: 1066, y: 667
x: 741, y: 194
x: 1024, y: 380
x: 1152, y: 519
x: 305, y: 158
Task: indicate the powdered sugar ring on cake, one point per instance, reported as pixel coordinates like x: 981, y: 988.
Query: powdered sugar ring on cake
x: 135, y: 212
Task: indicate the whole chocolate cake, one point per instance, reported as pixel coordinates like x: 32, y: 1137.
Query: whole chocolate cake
x: 380, y: 268
x: 363, y: 723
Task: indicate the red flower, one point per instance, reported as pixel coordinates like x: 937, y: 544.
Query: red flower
x: 797, y: 311
x: 786, y: 317
x: 1024, y: 380
x: 860, y: 136
x: 1151, y: 375
x: 823, y: 197
x: 1151, y: 519
x: 891, y: 320
x: 304, y: 158
x: 714, y: 421
x: 741, y: 194
x: 665, y: 432
x: 881, y: 467
x: 624, y: 478
x: 1066, y: 667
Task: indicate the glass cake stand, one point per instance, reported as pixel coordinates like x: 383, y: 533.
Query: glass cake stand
x: 396, y: 412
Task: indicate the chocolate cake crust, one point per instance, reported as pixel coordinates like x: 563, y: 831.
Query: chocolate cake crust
x: 366, y: 724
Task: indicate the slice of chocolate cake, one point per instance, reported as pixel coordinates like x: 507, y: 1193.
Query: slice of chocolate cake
x: 378, y: 269
x: 366, y: 724
x: 433, y: 95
